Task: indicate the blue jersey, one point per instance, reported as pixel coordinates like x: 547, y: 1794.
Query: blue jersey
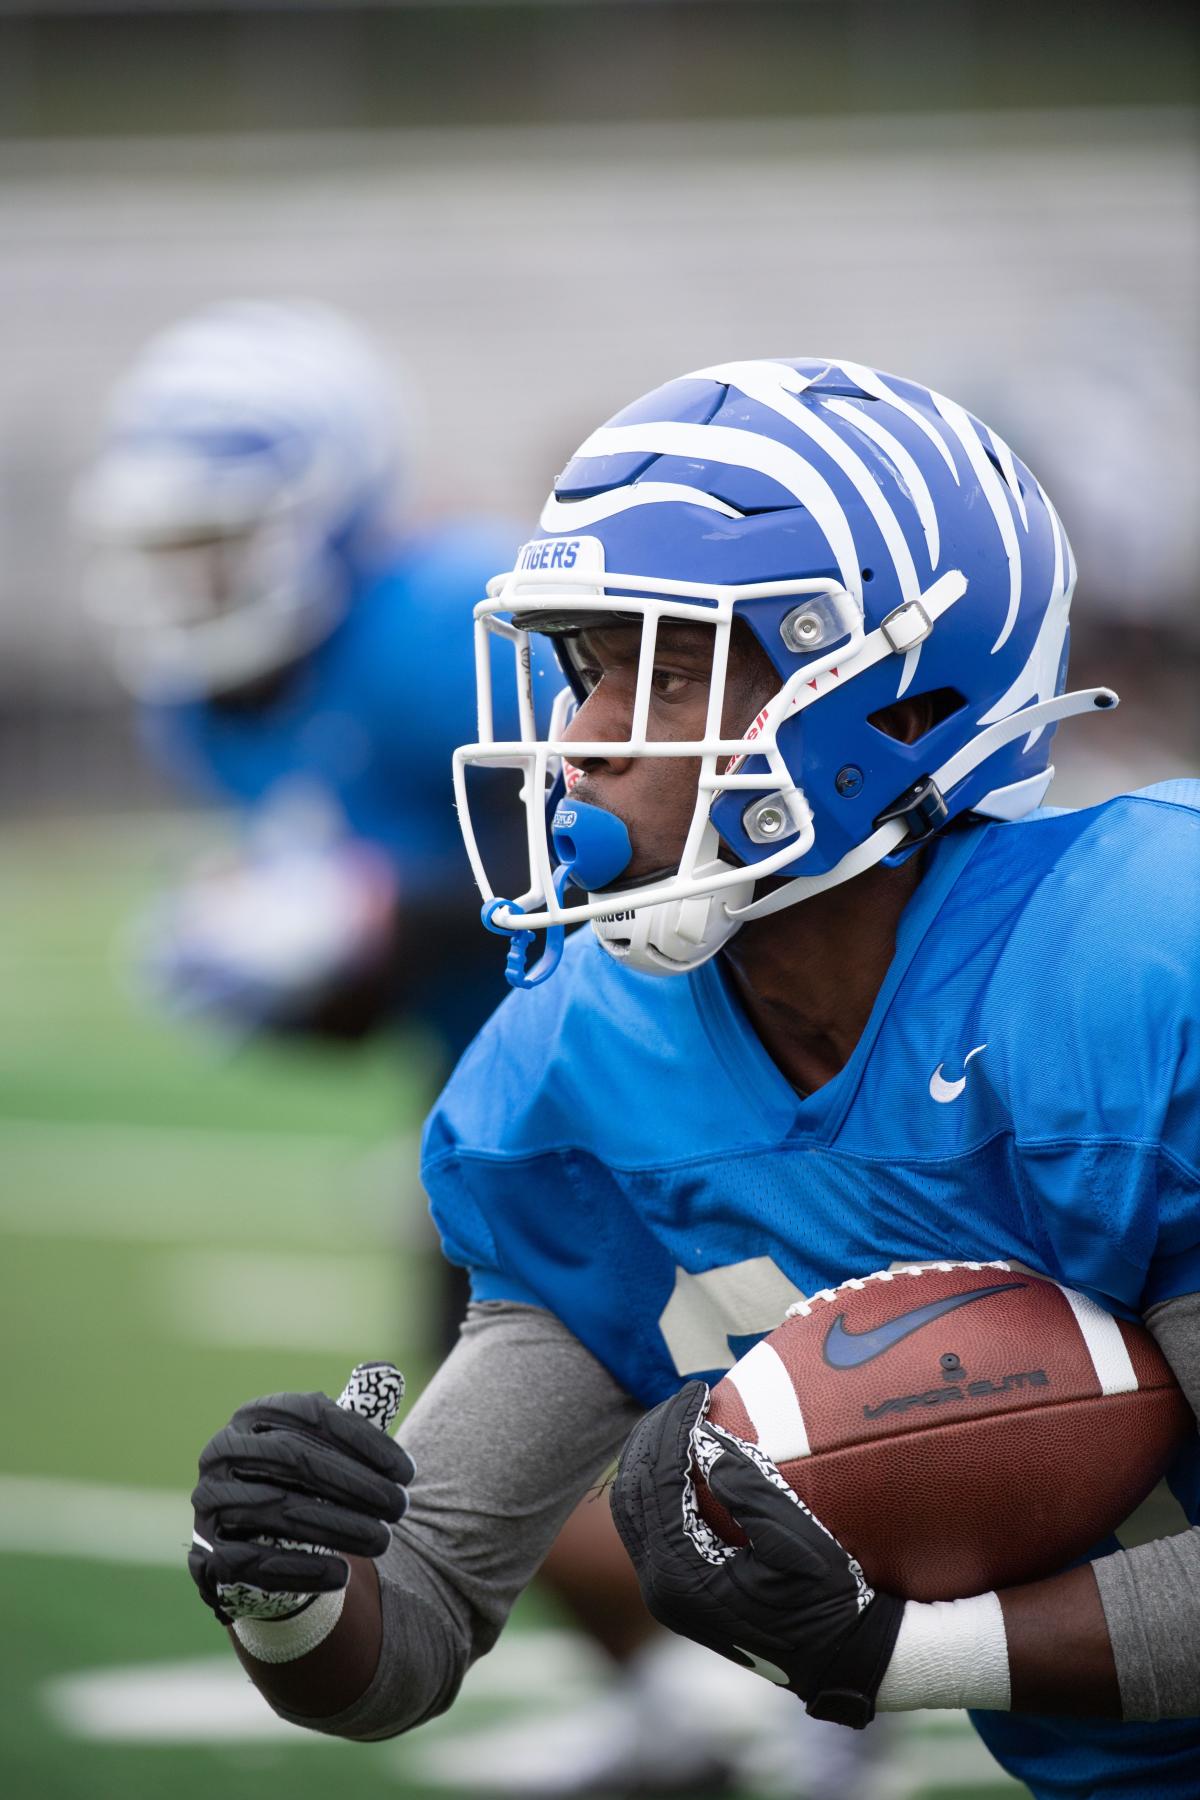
x: 369, y: 719
x: 620, y: 1148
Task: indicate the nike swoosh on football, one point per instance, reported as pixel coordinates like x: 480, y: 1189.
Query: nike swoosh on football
x: 846, y: 1350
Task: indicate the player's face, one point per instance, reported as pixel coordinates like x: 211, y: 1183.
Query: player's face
x: 188, y: 578
x: 656, y: 796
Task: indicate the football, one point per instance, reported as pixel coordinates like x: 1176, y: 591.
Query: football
x: 958, y: 1427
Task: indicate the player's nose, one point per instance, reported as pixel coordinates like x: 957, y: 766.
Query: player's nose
x: 601, y: 719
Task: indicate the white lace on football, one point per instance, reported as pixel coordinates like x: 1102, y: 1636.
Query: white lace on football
x: 800, y: 1309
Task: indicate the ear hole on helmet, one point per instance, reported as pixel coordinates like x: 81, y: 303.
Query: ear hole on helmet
x: 907, y: 721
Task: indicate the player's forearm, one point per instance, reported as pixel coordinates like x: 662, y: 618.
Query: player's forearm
x: 1060, y: 1656
x: 339, y: 1670
x: 1039, y: 1648
x: 1118, y: 1638
x: 512, y: 1429
x: 396, y: 1657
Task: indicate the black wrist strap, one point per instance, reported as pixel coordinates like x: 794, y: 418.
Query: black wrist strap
x: 848, y: 1688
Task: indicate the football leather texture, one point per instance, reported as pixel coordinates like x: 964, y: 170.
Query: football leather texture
x: 958, y: 1427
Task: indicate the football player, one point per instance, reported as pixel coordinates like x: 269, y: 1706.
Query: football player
x: 852, y: 995
x: 297, y: 650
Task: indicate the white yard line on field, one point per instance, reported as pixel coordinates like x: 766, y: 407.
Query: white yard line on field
x: 204, y: 1700
x: 100, y: 1180
x: 208, y: 1699
x: 541, y: 1677
x: 42, y: 1515
x: 543, y: 1680
x: 284, y: 1300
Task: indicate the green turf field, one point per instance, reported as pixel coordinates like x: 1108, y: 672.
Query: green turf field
x: 186, y: 1225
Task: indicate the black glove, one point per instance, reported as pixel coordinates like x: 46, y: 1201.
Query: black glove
x: 298, y: 1469
x: 792, y: 1598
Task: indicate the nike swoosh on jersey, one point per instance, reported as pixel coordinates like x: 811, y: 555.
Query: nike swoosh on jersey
x: 944, y: 1091
x: 847, y: 1350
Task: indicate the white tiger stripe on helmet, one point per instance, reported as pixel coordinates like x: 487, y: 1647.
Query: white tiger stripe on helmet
x: 1059, y: 583
x: 770, y: 384
x: 1037, y: 679
x: 1072, y: 572
x: 771, y: 1403
x: 1060, y: 602
x: 995, y: 494
x: 572, y: 515
x: 1004, y: 457
x: 918, y: 488
x: 1105, y: 1345
x: 910, y: 473
x: 870, y: 383
x: 742, y: 450
x: 1063, y: 546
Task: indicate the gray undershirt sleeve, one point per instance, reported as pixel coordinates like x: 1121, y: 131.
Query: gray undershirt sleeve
x: 1151, y: 1594
x: 515, y: 1427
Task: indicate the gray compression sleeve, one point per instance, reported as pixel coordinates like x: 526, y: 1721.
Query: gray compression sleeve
x: 514, y: 1428
x: 1151, y: 1595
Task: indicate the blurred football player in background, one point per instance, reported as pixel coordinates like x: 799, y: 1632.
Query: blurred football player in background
x: 295, y: 648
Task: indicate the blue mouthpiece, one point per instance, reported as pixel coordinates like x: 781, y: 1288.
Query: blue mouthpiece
x: 591, y: 845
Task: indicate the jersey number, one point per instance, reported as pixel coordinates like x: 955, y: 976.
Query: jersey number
x: 742, y: 1299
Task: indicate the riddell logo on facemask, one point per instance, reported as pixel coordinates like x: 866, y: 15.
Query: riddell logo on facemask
x: 820, y: 684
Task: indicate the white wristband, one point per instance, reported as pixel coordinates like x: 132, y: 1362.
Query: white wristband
x: 949, y: 1653
x: 283, y: 1640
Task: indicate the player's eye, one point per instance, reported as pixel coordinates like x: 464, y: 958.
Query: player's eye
x: 669, y: 685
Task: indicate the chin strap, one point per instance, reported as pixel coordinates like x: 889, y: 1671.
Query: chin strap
x: 673, y: 936
x: 520, y: 943
x: 895, y: 832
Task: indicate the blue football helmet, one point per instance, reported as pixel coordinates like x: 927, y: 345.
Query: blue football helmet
x: 879, y: 542
x: 250, y: 459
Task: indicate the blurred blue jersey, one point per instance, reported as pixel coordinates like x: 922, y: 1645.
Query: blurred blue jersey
x: 620, y: 1148
x: 369, y: 719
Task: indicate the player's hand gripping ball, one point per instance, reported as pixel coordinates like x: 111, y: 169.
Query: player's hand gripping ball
x: 960, y: 1426
x: 289, y: 1488
x: 789, y: 1603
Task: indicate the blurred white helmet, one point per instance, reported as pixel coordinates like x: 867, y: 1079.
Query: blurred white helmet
x: 250, y: 454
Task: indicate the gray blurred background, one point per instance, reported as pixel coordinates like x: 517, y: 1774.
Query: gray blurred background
x: 542, y: 210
